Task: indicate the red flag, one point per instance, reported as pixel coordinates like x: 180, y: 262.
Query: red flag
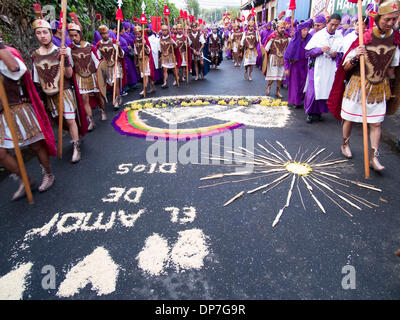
x: 185, y: 15
x: 181, y: 14
x: 353, y: 1
x: 281, y: 14
x: 200, y: 21
x: 119, y: 15
x: 156, y: 23
x: 253, y: 12
x: 61, y: 20
x: 143, y: 19
x: 292, y: 5
x: 166, y: 11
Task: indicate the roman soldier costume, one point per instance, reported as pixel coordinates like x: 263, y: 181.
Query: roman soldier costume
x: 249, y: 44
x: 214, y: 47
x: 30, y: 119
x: 276, y: 47
x: 237, y: 53
x: 84, y: 60
x: 106, y: 52
x: 46, y: 73
x: 382, y: 86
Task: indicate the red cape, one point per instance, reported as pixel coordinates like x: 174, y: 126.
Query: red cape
x: 82, y: 121
x: 336, y: 95
x: 151, y: 61
x: 39, y: 109
x: 189, y: 63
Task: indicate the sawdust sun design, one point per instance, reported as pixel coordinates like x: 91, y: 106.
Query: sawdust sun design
x: 311, y: 173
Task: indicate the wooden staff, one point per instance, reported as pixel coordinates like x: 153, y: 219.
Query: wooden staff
x: 259, y: 36
x: 291, y: 29
x: 363, y: 93
x: 116, y: 64
x: 62, y: 64
x: 143, y: 65
x: 187, y: 53
x: 20, y: 160
x: 173, y: 54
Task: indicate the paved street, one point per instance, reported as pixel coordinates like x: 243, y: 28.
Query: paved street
x: 117, y: 227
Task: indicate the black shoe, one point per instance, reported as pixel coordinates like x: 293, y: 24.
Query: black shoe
x: 309, y: 118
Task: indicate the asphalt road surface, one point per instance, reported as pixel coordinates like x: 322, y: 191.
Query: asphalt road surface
x: 115, y: 226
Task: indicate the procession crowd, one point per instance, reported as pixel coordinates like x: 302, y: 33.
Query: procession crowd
x: 317, y: 59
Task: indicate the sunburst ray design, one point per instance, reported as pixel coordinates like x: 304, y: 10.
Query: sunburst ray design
x: 309, y: 173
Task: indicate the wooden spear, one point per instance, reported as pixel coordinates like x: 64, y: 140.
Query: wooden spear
x: 142, y: 21
x: 173, y: 54
x: 62, y: 71
x: 118, y: 18
x: 187, y: 49
x: 363, y: 93
x: 20, y: 160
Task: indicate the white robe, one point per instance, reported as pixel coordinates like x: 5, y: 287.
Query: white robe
x: 325, y: 66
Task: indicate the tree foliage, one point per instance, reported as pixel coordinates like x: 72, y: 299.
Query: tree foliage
x: 16, y: 16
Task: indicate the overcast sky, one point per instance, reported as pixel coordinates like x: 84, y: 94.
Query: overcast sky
x: 210, y: 4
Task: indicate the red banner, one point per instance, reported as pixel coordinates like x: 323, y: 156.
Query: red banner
x: 156, y: 23
x: 119, y: 16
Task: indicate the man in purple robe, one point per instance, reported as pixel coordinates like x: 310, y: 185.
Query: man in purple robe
x: 57, y: 34
x: 319, y: 24
x: 132, y: 76
x: 296, y: 64
x: 227, y: 34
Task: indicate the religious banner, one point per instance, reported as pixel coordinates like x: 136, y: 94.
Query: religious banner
x: 344, y: 6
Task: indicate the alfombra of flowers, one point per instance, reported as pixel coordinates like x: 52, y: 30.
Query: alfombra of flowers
x: 128, y: 122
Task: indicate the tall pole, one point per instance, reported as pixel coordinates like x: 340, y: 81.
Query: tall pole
x: 187, y: 49
x: 116, y: 52
x: 62, y: 64
x: 20, y: 160
x: 143, y: 55
x: 172, y: 49
x: 363, y: 93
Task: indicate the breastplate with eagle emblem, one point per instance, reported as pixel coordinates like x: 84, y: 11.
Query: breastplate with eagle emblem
x: 84, y: 64
x: 48, y: 70
x: 380, y: 54
x: 108, y: 53
x: 278, y: 46
x: 237, y: 37
x: 166, y: 46
x: 250, y: 40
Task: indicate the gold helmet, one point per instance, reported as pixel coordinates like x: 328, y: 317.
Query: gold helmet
x: 103, y: 29
x: 164, y: 27
x: 40, y: 23
x: 74, y: 27
x: 138, y: 29
x: 388, y: 6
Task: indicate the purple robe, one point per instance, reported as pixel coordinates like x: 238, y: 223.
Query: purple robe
x: 132, y: 75
x: 227, y: 34
x: 57, y: 41
x: 297, y: 76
